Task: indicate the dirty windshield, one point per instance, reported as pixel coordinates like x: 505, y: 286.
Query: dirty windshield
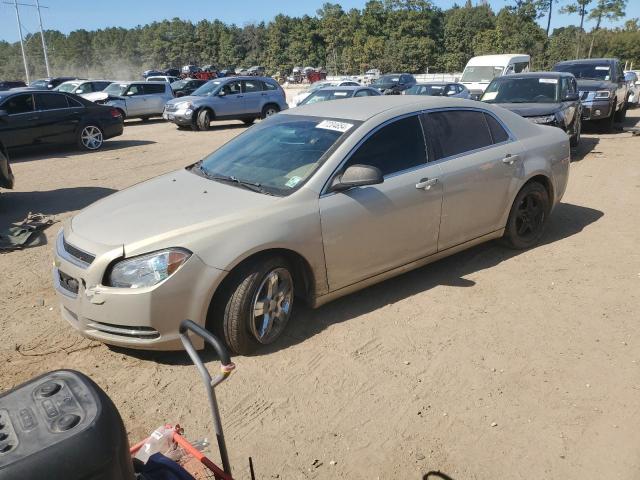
x: 522, y: 90
x: 208, y: 88
x: 116, y: 89
x: 277, y: 155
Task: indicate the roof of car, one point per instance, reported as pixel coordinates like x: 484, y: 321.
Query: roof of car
x: 587, y: 61
x: 362, y: 109
x: 424, y: 84
x: 344, y: 87
x: 537, y: 75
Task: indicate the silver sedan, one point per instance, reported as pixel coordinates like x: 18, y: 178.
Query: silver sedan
x: 308, y: 205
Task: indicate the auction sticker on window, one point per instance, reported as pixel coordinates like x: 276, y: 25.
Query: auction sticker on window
x: 548, y: 80
x: 603, y: 67
x: 333, y: 125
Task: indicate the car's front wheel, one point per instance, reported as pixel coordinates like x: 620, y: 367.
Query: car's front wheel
x: 257, y: 305
x: 203, y: 120
x: 269, y: 110
x: 574, y: 140
x: 90, y: 137
x: 622, y: 113
x: 528, y: 217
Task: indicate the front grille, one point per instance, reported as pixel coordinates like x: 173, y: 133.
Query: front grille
x: 78, y: 254
x: 146, y: 333
x: 68, y: 283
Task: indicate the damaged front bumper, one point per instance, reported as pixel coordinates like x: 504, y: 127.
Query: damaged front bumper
x: 143, y: 318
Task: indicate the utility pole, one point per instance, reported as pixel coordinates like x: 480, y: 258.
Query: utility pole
x: 24, y: 56
x: 44, y: 44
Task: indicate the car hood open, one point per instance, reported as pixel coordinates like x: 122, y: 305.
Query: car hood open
x: 531, y: 109
x: 165, y: 207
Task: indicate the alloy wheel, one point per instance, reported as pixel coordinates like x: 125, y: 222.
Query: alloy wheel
x: 91, y: 137
x: 530, y: 216
x: 272, y: 305
x: 270, y: 111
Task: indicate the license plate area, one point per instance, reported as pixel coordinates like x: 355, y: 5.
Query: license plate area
x: 67, y: 282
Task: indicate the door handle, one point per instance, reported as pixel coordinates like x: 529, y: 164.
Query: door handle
x: 426, y: 183
x: 510, y: 159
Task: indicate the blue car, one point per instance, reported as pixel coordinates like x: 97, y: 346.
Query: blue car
x: 235, y: 98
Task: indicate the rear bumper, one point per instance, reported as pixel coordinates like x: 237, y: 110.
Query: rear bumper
x: 113, y: 129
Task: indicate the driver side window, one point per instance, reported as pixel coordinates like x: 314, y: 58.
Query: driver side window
x: 134, y: 90
x: 232, y: 88
x: 395, y: 147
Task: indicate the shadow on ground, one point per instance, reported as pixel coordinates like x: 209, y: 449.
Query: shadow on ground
x: 15, y: 206
x: 567, y: 220
x: 45, y: 152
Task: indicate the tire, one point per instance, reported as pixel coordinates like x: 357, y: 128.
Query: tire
x: 574, y: 140
x: 269, y: 110
x: 90, y: 137
x: 528, y: 217
x: 622, y: 113
x: 234, y: 318
x: 203, y: 121
x: 248, y: 121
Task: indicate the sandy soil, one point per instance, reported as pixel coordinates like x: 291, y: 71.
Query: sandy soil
x: 401, y: 379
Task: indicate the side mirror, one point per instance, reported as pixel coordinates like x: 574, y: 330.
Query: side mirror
x: 451, y: 92
x: 357, y: 176
x: 221, y: 93
x: 571, y: 97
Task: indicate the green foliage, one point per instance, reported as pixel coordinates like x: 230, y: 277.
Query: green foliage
x: 392, y: 35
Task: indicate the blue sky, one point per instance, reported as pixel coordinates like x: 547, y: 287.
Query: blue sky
x: 68, y: 15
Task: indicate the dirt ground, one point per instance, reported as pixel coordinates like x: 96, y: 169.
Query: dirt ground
x: 490, y: 364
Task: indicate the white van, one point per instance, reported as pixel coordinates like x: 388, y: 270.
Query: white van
x: 481, y: 70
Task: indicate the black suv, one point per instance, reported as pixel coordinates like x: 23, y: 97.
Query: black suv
x: 394, y: 83
x: 50, y: 83
x: 603, y: 90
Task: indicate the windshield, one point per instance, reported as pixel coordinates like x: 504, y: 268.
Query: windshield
x: 387, y: 79
x: 587, y: 71
x: 179, y: 84
x: 208, y: 89
x: 522, y: 90
x: 481, y: 73
x: 323, y: 95
x: 67, y: 87
x: 318, y: 85
x: 116, y: 89
x: 278, y: 154
x: 433, y: 90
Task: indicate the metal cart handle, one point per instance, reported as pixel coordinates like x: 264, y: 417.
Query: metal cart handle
x: 210, y: 383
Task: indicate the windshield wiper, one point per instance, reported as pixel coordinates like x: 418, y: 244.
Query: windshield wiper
x: 253, y: 186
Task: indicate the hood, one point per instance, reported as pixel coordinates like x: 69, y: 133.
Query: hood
x: 101, y: 97
x: 165, y: 207
x: 587, y: 85
x: 186, y: 98
x: 531, y: 109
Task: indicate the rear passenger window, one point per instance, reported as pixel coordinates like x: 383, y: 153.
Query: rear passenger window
x: 50, y: 101
x: 270, y: 86
x: 498, y: 133
x: 252, y: 86
x: 151, y: 88
x: 19, y: 104
x: 457, y: 132
x: 396, y: 147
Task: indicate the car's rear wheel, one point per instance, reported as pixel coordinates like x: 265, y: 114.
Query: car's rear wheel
x: 203, y: 120
x: 269, y: 110
x: 256, y: 306
x: 90, y: 137
x: 528, y: 217
x: 574, y: 140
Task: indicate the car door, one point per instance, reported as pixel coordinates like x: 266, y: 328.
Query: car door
x: 621, y: 90
x: 254, y: 96
x: 478, y: 159
x: 58, y: 121
x: 19, y: 121
x: 232, y: 102
x: 155, y: 99
x: 373, y: 229
x: 135, y: 100
x: 570, y: 108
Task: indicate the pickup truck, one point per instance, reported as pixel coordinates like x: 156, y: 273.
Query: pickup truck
x: 602, y: 88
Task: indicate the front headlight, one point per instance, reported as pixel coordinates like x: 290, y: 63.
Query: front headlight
x: 147, y: 270
x: 543, y: 120
x: 183, y: 105
x: 603, y: 94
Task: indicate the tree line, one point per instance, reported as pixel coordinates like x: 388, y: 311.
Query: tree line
x: 391, y: 35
